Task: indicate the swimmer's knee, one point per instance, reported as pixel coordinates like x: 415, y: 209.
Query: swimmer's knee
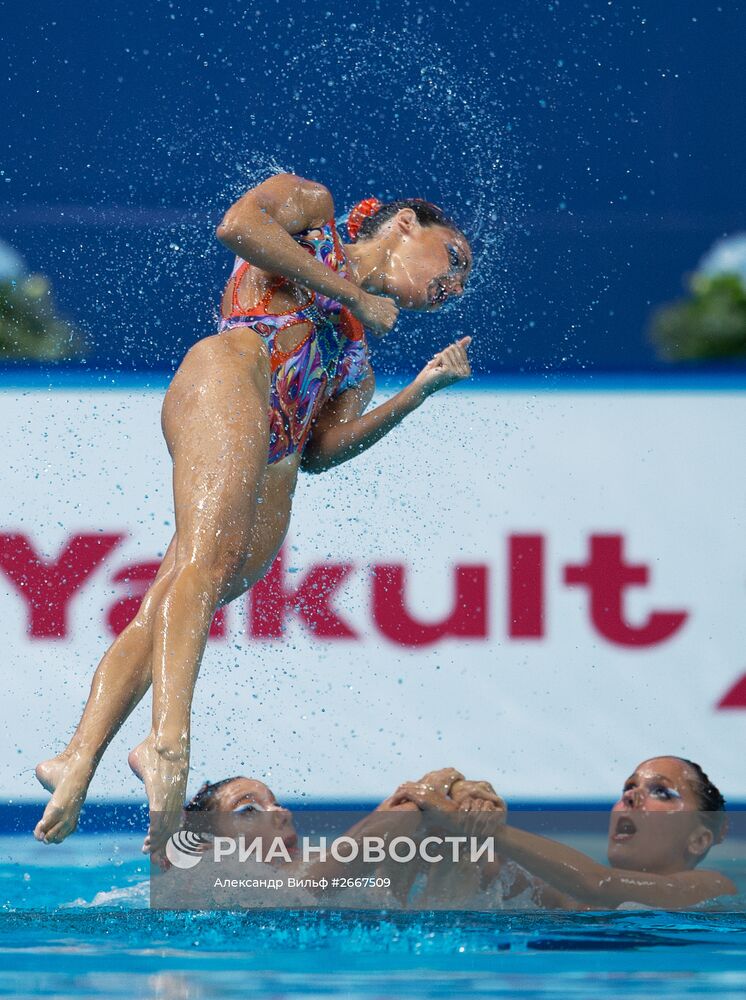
x: 206, y: 579
x: 151, y: 600
x: 250, y: 573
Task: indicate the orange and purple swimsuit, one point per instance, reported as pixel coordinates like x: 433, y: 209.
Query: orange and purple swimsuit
x: 332, y: 357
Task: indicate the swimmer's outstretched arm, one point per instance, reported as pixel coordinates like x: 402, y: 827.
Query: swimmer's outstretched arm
x: 341, y: 431
x: 392, y: 817
x: 581, y: 877
x: 259, y: 228
x: 384, y: 823
x: 575, y: 874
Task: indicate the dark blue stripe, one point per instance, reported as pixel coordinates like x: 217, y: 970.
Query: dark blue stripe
x: 12, y: 379
x: 123, y: 817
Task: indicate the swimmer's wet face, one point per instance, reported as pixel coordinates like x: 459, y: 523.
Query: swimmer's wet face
x: 428, y: 266
x: 250, y: 800
x: 657, y: 824
x: 411, y: 251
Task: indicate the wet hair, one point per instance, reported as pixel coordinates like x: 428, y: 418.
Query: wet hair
x: 204, y: 799
x: 367, y: 217
x: 711, y: 801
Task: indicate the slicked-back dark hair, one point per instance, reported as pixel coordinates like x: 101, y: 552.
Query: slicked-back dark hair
x: 711, y: 801
x: 427, y: 215
x: 204, y: 798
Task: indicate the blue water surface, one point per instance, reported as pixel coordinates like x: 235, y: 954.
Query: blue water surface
x: 75, y: 923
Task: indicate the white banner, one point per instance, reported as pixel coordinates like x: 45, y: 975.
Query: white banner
x: 541, y: 589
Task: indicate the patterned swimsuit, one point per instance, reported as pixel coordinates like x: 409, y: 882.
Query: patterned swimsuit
x: 331, y: 358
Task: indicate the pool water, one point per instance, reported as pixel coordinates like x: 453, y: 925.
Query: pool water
x: 75, y: 923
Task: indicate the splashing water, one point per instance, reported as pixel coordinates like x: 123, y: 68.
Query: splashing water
x: 397, y: 121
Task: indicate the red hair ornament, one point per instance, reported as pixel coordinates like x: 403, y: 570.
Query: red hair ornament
x: 363, y: 210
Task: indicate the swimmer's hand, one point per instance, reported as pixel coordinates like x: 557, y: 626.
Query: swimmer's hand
x: 448, y: 366
x: 426, y: 797
x: 377, y: 313
x: 478, y: 796
x: 442, y: 812
x: 442, y: 780
x: 435, y: 783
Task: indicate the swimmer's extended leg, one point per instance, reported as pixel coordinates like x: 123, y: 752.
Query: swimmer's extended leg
x: 218, y: 438
x: 121, y: 679
x: 162, y: 759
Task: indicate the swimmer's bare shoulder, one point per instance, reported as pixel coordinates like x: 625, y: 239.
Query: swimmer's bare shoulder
x: 292, y: 201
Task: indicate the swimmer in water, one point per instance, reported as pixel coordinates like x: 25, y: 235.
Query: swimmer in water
x: 668, y: 817
x: 242, y: 806
x: 281, y: 388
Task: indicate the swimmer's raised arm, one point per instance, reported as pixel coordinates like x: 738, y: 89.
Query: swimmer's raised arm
x: 341, y: 431
x: 384, y: 823
x: 259, y: 228
x: 567, y: 871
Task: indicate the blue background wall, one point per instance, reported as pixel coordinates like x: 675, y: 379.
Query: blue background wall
x: 594, y: 150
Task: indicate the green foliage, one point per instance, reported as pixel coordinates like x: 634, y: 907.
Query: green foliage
x: 29, y: 326
x: 709, y: 325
